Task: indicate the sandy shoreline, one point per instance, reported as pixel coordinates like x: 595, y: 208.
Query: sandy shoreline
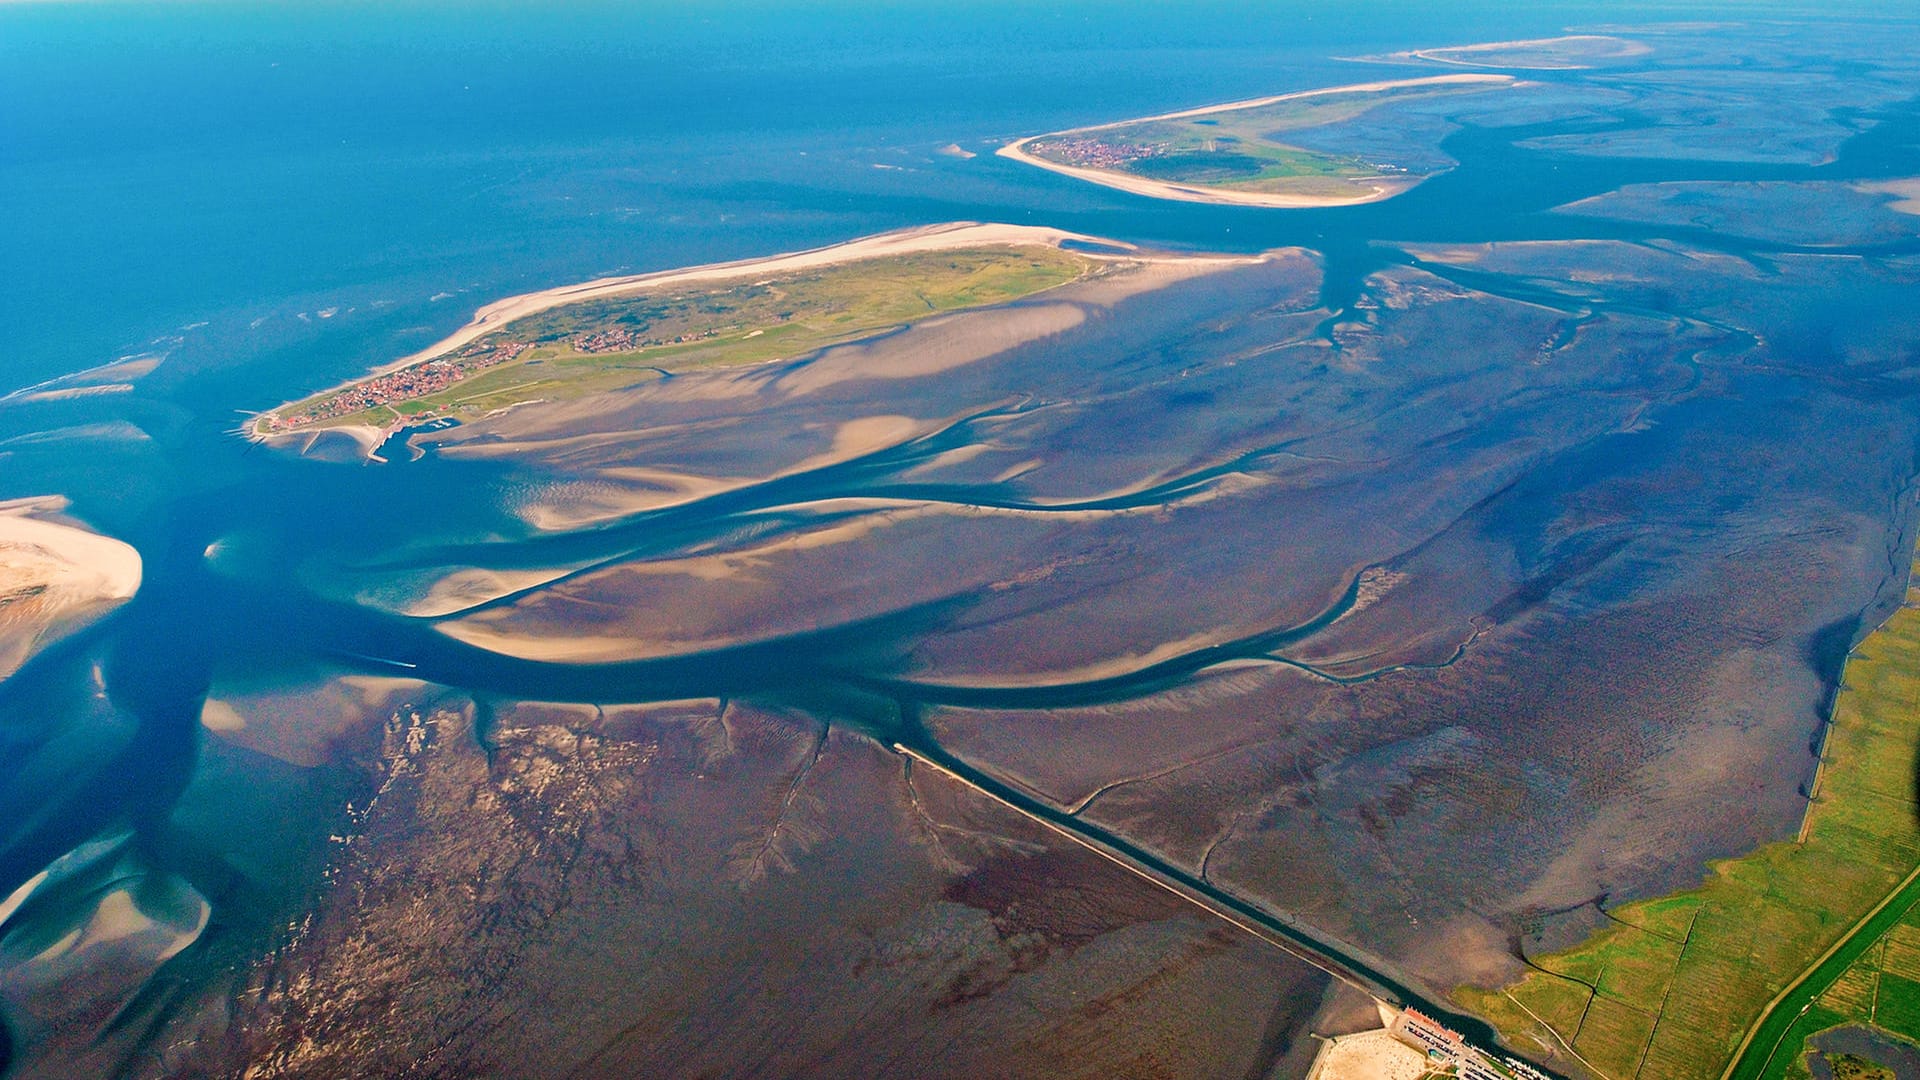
x: 493, y: 316
x: 1160, y: 189
x: 54, y: 578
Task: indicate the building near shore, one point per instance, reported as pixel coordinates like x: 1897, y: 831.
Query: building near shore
x: 1444, y: 1047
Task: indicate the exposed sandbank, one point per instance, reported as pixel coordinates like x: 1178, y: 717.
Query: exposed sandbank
x: 65, y: 393
x: 302, y: 721
x: 1906, y: 194
x: 54, y: 578
x: 1160, y: 189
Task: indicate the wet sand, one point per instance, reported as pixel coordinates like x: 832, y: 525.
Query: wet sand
x: 1906, y: 194
x: 940, y: 346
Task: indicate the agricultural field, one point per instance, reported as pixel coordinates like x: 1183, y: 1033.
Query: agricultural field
x: 1880, y: 989
x: 605, y: 344
x: 1671, y: 987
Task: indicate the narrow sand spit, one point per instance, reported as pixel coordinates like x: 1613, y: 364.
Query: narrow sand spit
x: 1158, y: 189
x: 54, y: 578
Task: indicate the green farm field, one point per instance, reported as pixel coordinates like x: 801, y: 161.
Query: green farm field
x: 1672, y: 987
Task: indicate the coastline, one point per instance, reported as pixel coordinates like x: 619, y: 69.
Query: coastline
x: 1161, y: 189
x: 491, y: 317
x: 1825, y: 895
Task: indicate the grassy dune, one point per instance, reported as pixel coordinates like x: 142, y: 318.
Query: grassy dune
x: 1244, y: 149
x: 1671, y: 989
x: 748, y: 321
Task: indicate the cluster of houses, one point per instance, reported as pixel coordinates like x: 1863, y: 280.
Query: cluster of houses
x: 413, y: 381
x: 1093, y: 153
x: 621, y: 339
x: 1448, y: 1053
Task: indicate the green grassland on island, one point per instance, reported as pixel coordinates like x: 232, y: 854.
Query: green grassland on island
x: 1672, y: 987
x: 606, y: 344
x: 1239, y: 149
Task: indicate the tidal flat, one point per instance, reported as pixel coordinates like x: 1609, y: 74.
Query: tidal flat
x: 1228, y: 618
x: 1315, y: 607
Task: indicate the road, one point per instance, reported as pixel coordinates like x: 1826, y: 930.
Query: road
x: 1766, y: 1039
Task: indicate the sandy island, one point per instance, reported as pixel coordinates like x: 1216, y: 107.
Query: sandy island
x: 950, y: 236
x: 1160, y: 189
x: 1599, y: 48
x: 54, y: 578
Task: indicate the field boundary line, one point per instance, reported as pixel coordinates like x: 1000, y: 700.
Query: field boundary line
x: 1806, y: 973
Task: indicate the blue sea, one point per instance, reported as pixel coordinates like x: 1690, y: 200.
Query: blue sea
x: 279, y: 195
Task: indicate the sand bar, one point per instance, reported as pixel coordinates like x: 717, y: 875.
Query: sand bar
x: 1160, y: 189
x: 1906, y: 193
x: 54, y: 578
x: 1461, y: 55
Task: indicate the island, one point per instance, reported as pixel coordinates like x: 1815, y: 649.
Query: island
x: 1574, y: 52
x: 571, y: 342
x: 1240, y: 154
